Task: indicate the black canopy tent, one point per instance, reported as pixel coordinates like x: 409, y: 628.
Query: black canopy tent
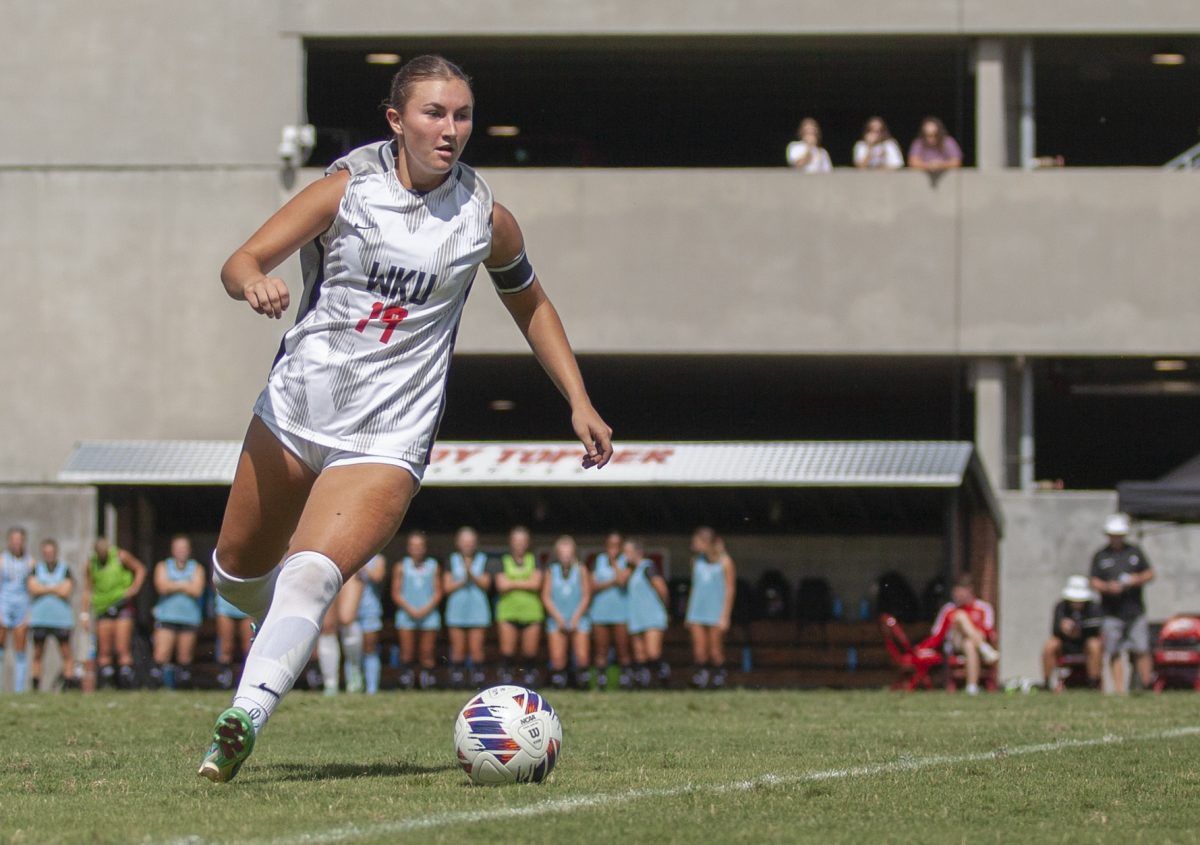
x: 1173, y: 498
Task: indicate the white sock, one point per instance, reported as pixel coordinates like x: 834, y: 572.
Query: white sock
x: 307, y: 585
x: 328, y: 658
x: 352, y: 644
x: 972, y: 689
x: 252, y: 596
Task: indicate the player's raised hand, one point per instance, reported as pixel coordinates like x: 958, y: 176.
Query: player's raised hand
x: 268, y: 296
x: 594, y: 434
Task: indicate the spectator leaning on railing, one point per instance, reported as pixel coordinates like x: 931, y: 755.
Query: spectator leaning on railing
x: 877, y: 149
x: 806, y: 153
x: 1119, y: 571
x: 934, y: 150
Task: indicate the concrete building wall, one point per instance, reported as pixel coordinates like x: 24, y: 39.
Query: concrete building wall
x: 1084, y: 17
x: 776, y: 17
x: 64, y: 513
x: 125, y: 331
x: 1050, y: 536
x: 122, y: 328
x: 118, y: 82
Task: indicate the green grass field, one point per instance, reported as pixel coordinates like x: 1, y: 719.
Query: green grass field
x: 664, y: 767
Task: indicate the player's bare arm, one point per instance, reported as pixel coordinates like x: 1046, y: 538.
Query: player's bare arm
x: 730, y: 591
x: 538, y: 320
x: 139, y: 573
x: 304, y: 217
x: 449, y: 585
x: 548, y: 603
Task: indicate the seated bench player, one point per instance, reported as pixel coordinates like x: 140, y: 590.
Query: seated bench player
x: 968, y: 623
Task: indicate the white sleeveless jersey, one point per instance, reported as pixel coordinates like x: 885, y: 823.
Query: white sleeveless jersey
x: 364, y: 369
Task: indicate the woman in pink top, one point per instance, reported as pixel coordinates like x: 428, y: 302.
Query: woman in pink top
x: 933, y: 149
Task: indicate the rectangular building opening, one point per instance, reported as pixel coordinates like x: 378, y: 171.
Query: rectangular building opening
x: 653, y: 102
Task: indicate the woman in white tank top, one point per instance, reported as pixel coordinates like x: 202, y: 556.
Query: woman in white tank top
x: 390, y: 241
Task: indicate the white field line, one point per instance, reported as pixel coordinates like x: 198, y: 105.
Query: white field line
x: 582, y: 802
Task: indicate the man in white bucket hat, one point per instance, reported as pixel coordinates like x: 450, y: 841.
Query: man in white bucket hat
x: 1119, y: 571
x: 1075, y: 630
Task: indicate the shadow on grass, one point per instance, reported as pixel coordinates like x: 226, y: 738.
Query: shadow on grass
x: 345, y: 771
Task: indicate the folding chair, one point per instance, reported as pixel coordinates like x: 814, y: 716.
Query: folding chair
x: 1177, y: 657
x: 1072, y: 670
x: 913, y: 662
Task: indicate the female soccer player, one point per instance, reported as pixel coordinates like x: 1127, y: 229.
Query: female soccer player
x: 710, y: 604
x: 519, y: 611
x: 340, y: 437
x: 15, y: 566
x: 417, y: 592
x: 610, y: 610
x: 233, y: 627
x: 468, y: 613
x: 339, y: 624
x: 647, y: 614
x: 179, y: 581
x: 50, y: 615
x: 114, y: 577
x: 360, y: 639
x: 567, y: 594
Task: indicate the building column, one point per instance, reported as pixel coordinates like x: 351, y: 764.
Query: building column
x: 1025, y: 446
x: 1028, y: 133
x: 991, y: 104
x: 989, y: 383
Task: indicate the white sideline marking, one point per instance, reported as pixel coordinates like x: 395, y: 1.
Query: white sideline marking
x: 582, y: 802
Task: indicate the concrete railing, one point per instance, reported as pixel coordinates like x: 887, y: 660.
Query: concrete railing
x: 1003, y: 262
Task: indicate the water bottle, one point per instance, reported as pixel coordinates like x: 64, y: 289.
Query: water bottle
x: 852, y: 659
x: 747, y: 660
x: 864, y: 609
x: 835, y: 609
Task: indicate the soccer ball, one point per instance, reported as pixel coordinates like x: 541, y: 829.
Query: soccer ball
x: 507, y: 734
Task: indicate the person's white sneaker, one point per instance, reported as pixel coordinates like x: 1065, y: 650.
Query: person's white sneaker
x: 988, y: 654
x: 972, y: 689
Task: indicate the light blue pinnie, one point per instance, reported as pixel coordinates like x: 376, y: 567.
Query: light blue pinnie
x: 418, y: 588
x: 706, y: 599
x: 646, y: 610
x: 48, y: 610
x: 566, y: 590
x: 610, y: 606
x: 468, y: 607
x: 179, y: 608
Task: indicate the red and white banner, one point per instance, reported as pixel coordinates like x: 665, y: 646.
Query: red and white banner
x: 784, y: 464
x: 810, y: 463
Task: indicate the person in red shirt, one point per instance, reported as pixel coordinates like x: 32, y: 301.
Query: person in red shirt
x: 969, y: 623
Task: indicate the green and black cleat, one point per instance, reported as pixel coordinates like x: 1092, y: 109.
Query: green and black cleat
x: 233, y: 740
